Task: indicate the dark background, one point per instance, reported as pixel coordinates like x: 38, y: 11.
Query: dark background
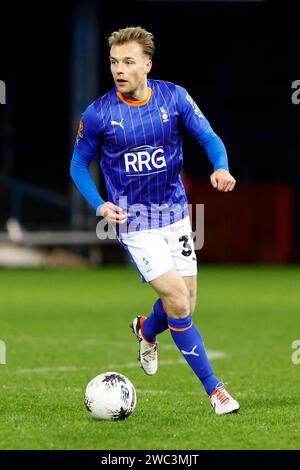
x: 237, y: 59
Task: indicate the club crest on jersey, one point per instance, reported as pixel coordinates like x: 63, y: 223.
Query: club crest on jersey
x: 195, y: 106
x: 145, y: 160
x: 164, y: 114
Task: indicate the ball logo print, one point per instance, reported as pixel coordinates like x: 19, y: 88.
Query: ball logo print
x: 110, y: 396
x: 2, y: 92
x: 145, y: 158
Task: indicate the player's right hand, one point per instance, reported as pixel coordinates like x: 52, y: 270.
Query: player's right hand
x: 113, y: 213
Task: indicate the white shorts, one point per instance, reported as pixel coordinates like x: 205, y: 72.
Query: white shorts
x: 156, y: 251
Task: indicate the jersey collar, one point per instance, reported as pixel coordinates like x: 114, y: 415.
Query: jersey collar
x: 135, y: 103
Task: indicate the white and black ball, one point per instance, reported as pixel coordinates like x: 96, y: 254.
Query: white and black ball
x: 110, y: 396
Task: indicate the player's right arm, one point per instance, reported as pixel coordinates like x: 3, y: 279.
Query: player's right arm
x: 88, y: 142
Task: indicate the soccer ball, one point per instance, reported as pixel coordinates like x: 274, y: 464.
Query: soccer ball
x: 110, y: 396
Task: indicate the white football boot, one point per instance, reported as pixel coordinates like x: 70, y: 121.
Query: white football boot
x: 147, y: 350
x: 222, y: 402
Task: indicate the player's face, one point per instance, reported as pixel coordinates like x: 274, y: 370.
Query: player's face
x: 129, y: 67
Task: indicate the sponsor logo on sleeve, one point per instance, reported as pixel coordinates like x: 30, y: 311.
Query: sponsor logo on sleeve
x: 194, y: 106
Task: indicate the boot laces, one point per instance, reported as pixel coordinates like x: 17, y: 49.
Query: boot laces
x: 150, y: 354
x: 221, y: 394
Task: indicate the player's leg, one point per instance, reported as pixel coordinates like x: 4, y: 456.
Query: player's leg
x: 157, y: 321
x: 138, y: 247
x: 174, y: 291
x: 178, y: 291
x: 191, y: 284
x: 184, y: 332
x: 149, y: 253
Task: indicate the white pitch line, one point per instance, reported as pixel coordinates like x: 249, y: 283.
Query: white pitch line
x: 162, y: 392
x: 90, y: 342
x: 128, y: 365
x: 57, y: 340
x: 43, y: 370
x: 81, y: 390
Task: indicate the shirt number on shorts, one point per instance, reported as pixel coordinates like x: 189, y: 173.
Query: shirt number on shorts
x: 187, y: 249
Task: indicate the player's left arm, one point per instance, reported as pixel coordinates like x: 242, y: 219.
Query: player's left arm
x: 198, y: 126
x: 221, y: 179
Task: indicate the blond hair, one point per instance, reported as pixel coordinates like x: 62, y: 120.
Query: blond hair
x: 133, y: 33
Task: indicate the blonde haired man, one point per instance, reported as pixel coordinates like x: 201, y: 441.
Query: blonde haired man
x: 136, y: 129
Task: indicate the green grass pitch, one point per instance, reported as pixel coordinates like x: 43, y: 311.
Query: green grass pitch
x: 61, y: 328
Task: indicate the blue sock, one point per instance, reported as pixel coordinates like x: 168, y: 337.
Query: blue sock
x: 189, y: 342
x: 156, y: 322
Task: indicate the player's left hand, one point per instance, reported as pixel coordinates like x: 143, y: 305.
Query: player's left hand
x: 222, y: 180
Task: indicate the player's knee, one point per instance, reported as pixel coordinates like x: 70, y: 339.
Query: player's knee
x: 178, y: 304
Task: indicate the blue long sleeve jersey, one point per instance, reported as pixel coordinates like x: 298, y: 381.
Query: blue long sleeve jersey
x: 140, y: 147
